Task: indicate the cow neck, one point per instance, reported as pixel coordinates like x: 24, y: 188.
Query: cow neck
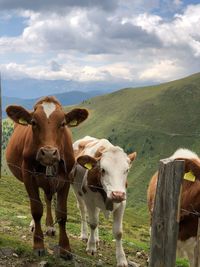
x: 94, y: 184
x: 108, y: 202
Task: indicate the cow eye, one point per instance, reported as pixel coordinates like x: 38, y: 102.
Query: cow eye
x: 33, y: 123
x: 63, y: 124
x: 103, y: 171
x: 126, y: 171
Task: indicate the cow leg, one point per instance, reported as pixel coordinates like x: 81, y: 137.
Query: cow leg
x: 117, y: 232
x: 97, y: 235
x: 191, y: 256
x: 191, y: 251
x: 49, y: 218
x: 93, y: 214
x: 186, y: 249
x: 37, y: 211
x: 83, y: 211
x: 191, y: 260
x: 32, y: 226
x: 61, y: 215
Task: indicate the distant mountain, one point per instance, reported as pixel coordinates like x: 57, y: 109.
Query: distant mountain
x: 69, y: 98
x: 33, y: 88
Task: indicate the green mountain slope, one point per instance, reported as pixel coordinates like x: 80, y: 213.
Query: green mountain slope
x: 154, y: 121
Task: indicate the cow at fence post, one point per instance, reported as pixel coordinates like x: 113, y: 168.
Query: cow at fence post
x: 189, y: 203
x: 99, y: 180
x: 40, y: 155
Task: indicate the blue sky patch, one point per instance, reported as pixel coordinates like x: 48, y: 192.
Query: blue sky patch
x: 11, y: 26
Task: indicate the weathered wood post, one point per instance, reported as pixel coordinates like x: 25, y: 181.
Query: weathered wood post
x: 197, y: 251
x: 0, y: 126
x: 165, y: 220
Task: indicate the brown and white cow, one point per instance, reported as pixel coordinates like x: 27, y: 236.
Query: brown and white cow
x: 190, y: 203
x: 99, y: 180
x: 40, y: 154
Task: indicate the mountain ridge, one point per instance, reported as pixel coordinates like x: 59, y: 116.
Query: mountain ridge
x: 67, y: 98
x: 34, y: 88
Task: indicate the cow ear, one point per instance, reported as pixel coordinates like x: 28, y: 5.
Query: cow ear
x: 192, y: 169
x: 99, y: 152
x: 87, y: 162
x: 132, y: 156
x: 76, y: 116
x: 19, y: 114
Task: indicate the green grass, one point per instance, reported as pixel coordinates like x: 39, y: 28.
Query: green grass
x: 14, y: 230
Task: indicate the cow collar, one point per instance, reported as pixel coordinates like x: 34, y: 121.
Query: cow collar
x: 49, y: 171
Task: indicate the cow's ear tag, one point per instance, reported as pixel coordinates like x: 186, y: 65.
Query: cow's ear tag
x: 23, y: 121
x: 73, y: 123
x: 189, y: 176
x: 88, y: 166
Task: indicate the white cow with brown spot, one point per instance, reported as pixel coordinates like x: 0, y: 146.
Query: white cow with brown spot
x: 99, y: 180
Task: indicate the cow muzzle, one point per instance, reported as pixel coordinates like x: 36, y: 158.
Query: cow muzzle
x: 48, y: 156
x: 117, y: 196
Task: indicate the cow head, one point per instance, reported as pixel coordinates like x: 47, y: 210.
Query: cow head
x: 48, y: 123
x: 192, y: 163
x: 108, y: 171
x: 192, y: 169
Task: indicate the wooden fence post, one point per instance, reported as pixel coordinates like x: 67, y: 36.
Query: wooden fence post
x: 165, y: 220
x: 0, y: 126
x: 197, y: 252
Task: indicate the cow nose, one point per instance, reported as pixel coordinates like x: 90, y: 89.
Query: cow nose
x: 118, y: 196
x: 48, y: 155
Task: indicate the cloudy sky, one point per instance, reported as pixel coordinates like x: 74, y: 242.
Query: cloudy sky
x: 100, y: 40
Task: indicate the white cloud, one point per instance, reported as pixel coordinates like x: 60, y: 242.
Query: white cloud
x: 90, y: 44
x: 181, y: 32
x: 112, y: 72
x: 90, y: 32
x: 162, y: 71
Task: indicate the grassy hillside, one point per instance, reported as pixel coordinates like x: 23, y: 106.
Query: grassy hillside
x: 154, y: 121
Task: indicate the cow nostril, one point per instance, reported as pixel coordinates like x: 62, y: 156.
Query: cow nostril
x: 48, y: 155
x: 118, y: 195
x: 113, y: 194
x: 55, y: 153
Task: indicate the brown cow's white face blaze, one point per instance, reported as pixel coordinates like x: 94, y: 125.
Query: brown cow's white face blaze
x: 48, y: 122
x: 48, y: 125
x: 113, y: 166
x: 49, y: 108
